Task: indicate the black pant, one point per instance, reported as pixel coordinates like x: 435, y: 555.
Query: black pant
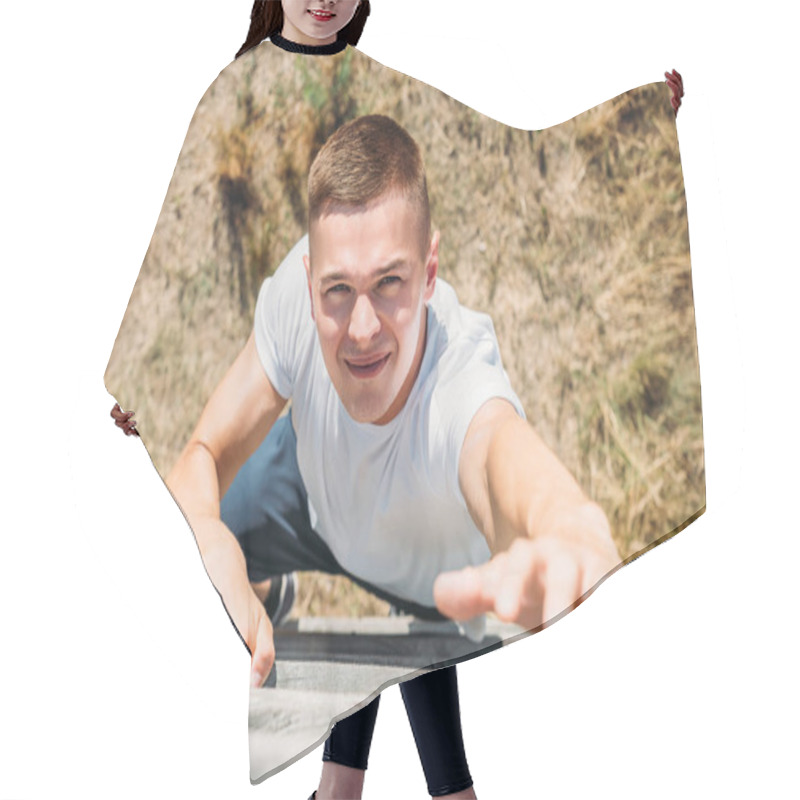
x: 432, y: 705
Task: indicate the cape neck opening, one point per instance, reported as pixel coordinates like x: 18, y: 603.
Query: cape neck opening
x: 308, y: 49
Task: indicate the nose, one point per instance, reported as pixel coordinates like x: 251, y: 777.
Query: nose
x: 364, y: 322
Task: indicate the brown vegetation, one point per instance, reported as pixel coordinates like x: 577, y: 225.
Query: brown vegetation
x: 574, y: 239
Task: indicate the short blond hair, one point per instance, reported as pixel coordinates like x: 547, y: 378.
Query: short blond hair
x: 363, y: 161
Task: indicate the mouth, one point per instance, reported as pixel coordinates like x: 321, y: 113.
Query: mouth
x: 321, y: 16
x: 367, y: 367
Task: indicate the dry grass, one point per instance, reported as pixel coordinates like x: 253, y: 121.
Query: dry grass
x: 574, y: 239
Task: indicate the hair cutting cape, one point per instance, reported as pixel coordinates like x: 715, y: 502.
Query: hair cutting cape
x: 573, y: 239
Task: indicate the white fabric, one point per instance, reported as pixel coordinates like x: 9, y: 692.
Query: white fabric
x: 386, y: 499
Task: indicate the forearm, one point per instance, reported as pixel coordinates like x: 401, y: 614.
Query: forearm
x: 225, y: 564
x: 235, y: 421
x: 195, y: 485
x: 550, y: 544
x: 532, y: 494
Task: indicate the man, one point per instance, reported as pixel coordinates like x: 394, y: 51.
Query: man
x: 420, y: 476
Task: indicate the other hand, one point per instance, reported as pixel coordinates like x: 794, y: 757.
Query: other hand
x: 675, y: 82
x: 534, y: 580
x: 259, y: 640
x: 124, y: 420
x: 225, y: 564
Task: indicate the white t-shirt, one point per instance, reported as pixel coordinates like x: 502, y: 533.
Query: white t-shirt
x: 385, y: 498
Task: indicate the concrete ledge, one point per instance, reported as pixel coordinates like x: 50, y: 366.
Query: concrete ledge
x: 328, y: 667
x: 290, y: 720
x: 388, y: 641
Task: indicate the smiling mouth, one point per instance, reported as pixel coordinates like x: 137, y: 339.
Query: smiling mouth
x: 368, y: 369
x: 322, y: 16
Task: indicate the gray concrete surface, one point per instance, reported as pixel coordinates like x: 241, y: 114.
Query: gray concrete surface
x: 327, y: 668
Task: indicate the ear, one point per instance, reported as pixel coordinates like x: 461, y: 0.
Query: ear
x: 432, y: 266
x: 307, y: 265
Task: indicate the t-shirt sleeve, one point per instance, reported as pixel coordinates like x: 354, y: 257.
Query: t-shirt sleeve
x: 475, y: 376
x: 282, y: 317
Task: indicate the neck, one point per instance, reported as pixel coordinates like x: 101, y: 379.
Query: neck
x: 337, y: 46
x: 298, y: 37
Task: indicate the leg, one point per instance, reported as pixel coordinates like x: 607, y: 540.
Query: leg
x: 266, y: 508
x: 346, y: 754
x: 433, y: 711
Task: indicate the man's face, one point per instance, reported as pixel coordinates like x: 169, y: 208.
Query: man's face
x: 369, y: 284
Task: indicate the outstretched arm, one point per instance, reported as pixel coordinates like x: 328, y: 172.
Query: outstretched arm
x: 550, y: 544
x: 235, y: 421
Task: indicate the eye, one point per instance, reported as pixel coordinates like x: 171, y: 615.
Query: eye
x: 389, y: 280
x: 338, y: 288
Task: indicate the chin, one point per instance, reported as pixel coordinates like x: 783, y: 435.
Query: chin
x: 365, y: 414
x: 368, y: 409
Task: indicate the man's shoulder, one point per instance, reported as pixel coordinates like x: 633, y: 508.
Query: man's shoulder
x: 456, y: 326
x: 283, y: 325
x: 466, y: 367
x: 284, y: 293
x: 290, y: 274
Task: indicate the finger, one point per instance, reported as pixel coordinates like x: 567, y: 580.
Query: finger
x: 124, y: 420
x: 263, y: 653
x: 562, y: 585
x: 518, y: 592
x: 462, y: 594
x: 675, y: 89
x: 675, y: 82
x: 518, y: 600
x: 119, y: 415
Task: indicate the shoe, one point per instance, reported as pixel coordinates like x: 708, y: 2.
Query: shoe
x: 280, y: 599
